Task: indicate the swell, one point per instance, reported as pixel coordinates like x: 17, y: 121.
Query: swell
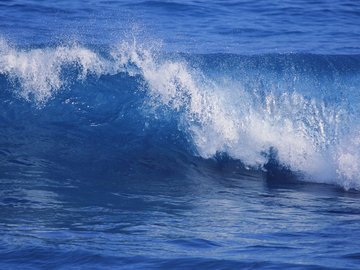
x: 298, y: 110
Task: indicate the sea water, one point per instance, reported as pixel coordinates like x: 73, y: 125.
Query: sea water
x: 179, y: 134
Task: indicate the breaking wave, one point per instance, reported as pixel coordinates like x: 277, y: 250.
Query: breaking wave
x: 298, y: 109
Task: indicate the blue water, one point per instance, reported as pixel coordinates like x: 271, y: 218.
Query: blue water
x: 179, y: 134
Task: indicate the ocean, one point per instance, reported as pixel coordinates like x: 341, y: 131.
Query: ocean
x: 179, y: 134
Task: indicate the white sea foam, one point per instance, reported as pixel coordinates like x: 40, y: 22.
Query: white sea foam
x: 39, y: 70
x: 220, y: 115
x: 305, y: 132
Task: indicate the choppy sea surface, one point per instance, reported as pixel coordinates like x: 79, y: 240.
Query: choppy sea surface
x: 179, y: 134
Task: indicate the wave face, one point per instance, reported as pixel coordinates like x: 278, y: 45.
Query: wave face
x: 298, y: 111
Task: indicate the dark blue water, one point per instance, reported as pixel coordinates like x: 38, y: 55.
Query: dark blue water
x: 179, y: 134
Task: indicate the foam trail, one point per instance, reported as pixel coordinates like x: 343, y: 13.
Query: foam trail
x: 311, y: 138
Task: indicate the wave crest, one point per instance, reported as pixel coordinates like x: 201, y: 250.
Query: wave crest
x: 39, y: 71
x: 216, y: 107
